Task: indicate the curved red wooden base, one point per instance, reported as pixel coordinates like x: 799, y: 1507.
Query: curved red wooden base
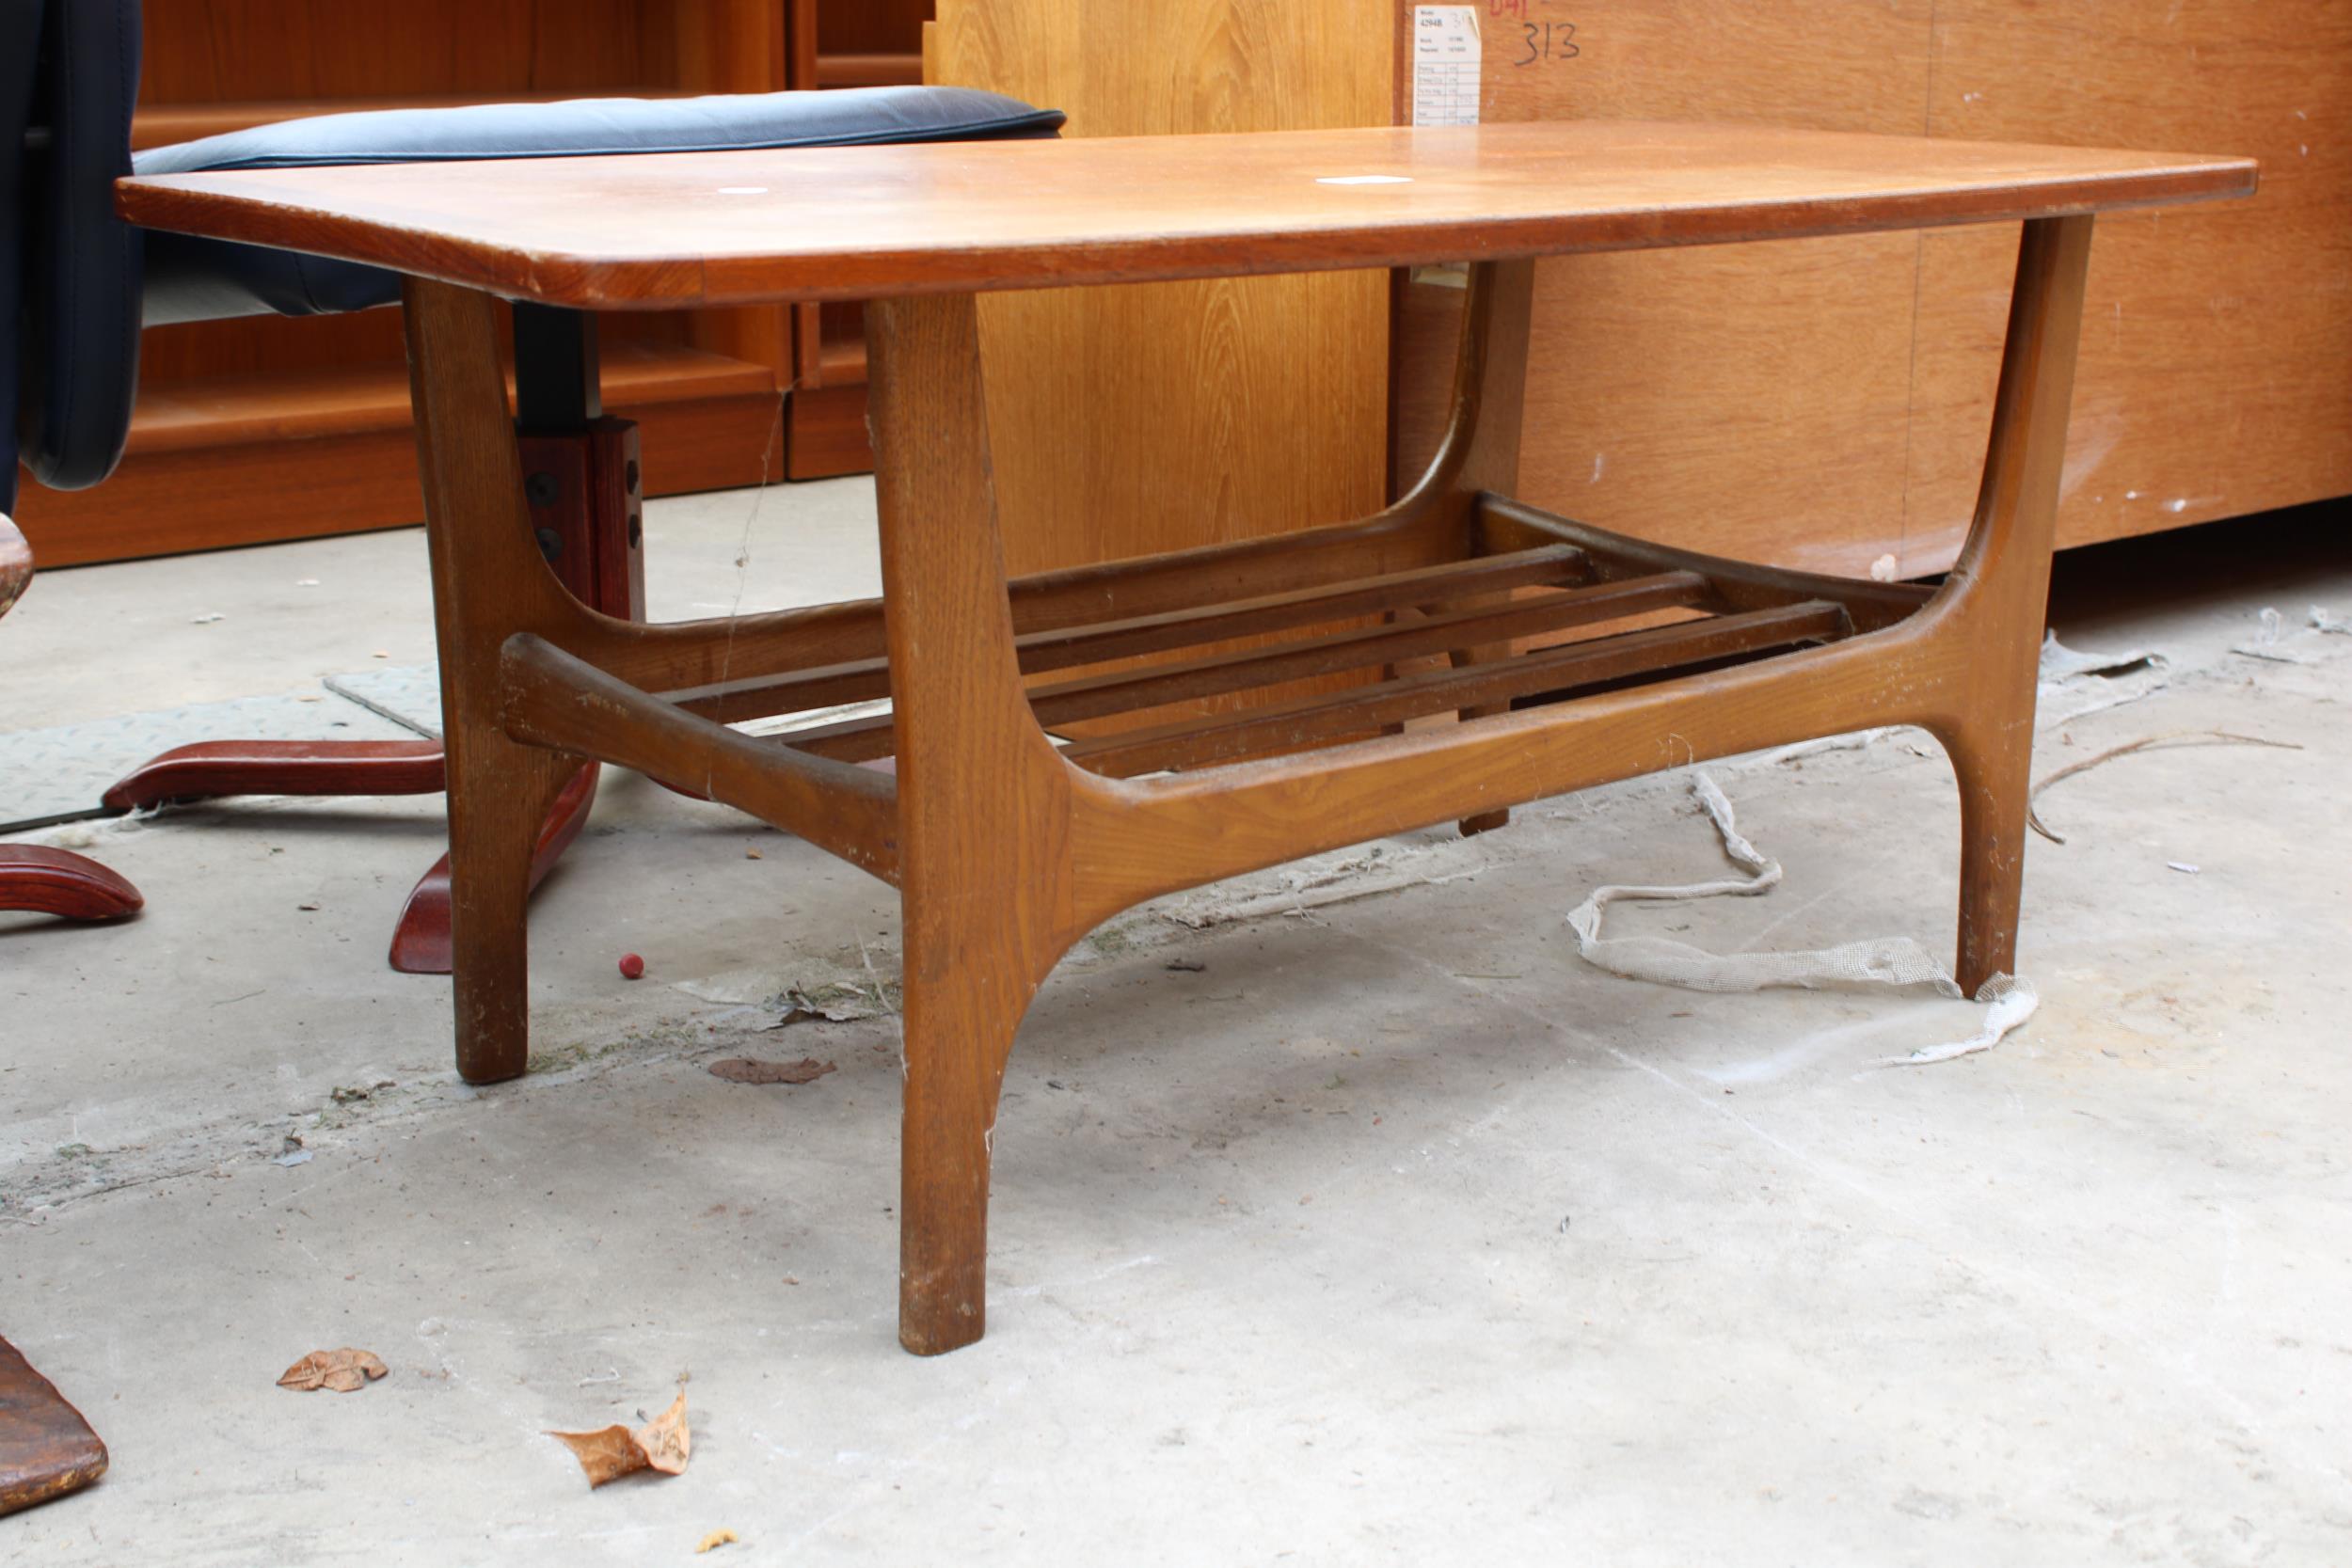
x: 46, y: 1447
x: 212, y: 768
x: 59, y: 883
x: 420, y: 942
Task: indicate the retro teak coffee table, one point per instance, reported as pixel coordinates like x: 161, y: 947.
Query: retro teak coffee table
x: 1004, y: 847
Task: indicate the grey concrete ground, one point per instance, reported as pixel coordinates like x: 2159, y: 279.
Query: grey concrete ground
x: 1389, y: 1233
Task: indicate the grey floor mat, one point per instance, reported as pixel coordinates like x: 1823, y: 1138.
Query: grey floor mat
x: 53, y: 772
x: 409, y: 695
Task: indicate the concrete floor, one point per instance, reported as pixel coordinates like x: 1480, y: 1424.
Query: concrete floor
x: 1390, y: 1232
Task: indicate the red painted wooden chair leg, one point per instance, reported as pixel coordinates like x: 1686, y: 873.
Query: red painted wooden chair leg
x: 210, y: 769
x: 581, y: 486
x: 420, y: 942
x: 46, y: 1447
x: 59, y: 883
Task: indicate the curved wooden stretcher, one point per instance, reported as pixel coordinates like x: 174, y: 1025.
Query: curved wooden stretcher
x: 1006, y: 850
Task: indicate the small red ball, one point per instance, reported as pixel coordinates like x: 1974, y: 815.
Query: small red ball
x: 631, y: 966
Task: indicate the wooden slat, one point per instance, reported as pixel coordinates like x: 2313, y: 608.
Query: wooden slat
x: 1242, y: 670
x: 1064, y: 647
x: 1302, y: 722
x: 1738, y: 584
x: 1127, y: 690
x: 1147, y: 634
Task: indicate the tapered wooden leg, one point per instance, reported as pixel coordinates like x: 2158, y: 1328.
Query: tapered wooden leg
x: 489, y: 580
x: 1507, y: 291
x: 966, y: 995
x: 496, y: 805
x: 1993, y: 783
x: 2002, y: 582
x: 984, y: 805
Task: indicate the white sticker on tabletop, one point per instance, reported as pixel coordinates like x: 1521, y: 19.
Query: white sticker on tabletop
x: 1445, y: 65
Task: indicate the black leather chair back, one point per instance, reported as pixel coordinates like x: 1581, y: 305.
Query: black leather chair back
x: 78, y: 348
x: 20, y: 37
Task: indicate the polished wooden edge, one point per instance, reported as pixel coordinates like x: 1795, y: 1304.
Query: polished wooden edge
x: 188, y: 203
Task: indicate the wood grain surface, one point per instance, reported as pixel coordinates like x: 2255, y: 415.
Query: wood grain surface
x: 695, y: 229
x: 1128, y: 421
x: 1666, y: 390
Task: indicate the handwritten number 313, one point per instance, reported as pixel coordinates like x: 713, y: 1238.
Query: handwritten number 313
x: 1549, y: 40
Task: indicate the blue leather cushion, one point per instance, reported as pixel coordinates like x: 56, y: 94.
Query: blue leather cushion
x: 195, y: 279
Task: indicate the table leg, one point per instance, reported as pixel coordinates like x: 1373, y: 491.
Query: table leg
x: 2000, y: 590
x: 984, y: 805
x: 1507, y: 294
x: 489, y: 580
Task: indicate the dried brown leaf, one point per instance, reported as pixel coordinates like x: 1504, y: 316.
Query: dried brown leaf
x: 661, y: 1444
x: 751, y: 1070
x: 605, y: 1456
x: 341, y: 1370
x: 665, y: 1440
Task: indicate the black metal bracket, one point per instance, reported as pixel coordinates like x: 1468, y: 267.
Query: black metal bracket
x: 556, y: 368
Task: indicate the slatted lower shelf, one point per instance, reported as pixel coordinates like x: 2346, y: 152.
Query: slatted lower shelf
x: 1475, y: 610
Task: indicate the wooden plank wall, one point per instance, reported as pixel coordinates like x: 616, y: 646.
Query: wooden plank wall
x: 1153, y: 417
x: 1826, y: 402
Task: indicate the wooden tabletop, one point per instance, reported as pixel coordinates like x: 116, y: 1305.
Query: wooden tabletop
x: 667, y: 232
